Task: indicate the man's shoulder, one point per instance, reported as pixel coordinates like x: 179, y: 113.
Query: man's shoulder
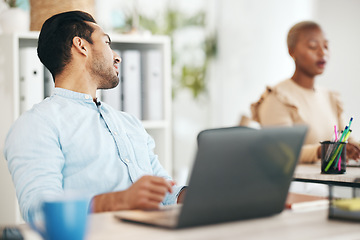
x: 40, y: 114
x: 45, y: 107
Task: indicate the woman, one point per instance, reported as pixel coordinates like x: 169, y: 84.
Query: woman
x: 299, y: 101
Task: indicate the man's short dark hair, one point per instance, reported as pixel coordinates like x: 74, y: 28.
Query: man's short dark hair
x: 56, y: 35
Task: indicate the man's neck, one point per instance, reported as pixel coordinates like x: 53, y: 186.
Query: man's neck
x: 77, y: 83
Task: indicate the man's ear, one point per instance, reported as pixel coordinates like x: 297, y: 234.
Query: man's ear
x: 80, y: 45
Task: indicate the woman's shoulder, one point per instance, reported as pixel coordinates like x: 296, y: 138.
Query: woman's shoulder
x: 283, y: 91
x: 280, y: 93
x: 333, y: 96
x: 287, y: 87
x: 335, y: 100
x: 284, y: 85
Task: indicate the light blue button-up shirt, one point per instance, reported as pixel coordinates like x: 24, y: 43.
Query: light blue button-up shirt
x: 68, y: 142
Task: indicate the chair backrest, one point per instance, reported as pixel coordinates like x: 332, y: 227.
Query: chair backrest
x: 246, y: 121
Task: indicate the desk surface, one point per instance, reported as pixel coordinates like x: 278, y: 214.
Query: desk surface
x: 312, y: 173
x: 287, y: 225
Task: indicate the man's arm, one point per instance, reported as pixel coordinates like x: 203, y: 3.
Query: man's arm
x: 146, y: 193
x: 35, y: 161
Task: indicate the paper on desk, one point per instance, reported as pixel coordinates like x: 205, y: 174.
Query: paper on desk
x: 352, y: 204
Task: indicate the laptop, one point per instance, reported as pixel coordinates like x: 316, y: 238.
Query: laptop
x: 239, y: 173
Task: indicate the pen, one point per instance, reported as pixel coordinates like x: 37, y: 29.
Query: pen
x: 344, y: 133
x: 337, y: 153
x: 338, y: 150
x: 347, y: 135
x: 351, y: 119
x: 338, y: 159
x: 335, y: 132
x: 336, y: 138
x: 331, y: 149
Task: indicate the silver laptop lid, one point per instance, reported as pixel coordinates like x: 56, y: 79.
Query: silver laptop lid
x: 241, y: 173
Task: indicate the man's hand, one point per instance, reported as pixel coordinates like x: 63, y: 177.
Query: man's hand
x: 146, y: 193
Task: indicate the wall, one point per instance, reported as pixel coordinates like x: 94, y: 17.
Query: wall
x: 340, y: 20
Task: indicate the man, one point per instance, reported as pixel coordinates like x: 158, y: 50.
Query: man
x: 72, y: 141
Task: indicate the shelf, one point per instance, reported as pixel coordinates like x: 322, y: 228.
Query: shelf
x: 10, y: 45
x: 155, y: 124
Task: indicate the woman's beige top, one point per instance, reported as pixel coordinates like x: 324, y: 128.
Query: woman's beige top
x: 288, y: 104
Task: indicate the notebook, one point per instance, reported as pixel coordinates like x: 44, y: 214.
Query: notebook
x: 305, y: 202
x: 238, y: 173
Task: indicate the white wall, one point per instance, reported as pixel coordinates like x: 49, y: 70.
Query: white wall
x: 340, y: 20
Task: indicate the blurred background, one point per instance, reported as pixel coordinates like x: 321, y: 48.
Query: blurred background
x: 225, y: 52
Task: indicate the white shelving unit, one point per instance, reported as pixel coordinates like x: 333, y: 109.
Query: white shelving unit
x: 10, y: 45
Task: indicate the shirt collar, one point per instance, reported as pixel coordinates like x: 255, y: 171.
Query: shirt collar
x: 73, y: 95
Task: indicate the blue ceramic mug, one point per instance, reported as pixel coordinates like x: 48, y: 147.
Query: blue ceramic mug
x: 63, y: 219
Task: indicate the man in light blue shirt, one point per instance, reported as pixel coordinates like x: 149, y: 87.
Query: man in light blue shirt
x: 72, y: 141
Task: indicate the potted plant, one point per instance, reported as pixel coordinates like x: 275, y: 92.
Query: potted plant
x: 13, y: 18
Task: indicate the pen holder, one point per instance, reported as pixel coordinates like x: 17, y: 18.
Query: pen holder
x: 333, y: 157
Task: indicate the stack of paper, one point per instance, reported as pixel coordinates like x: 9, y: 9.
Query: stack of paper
x: 297, y: 201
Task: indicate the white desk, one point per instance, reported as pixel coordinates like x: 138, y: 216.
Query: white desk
x: 312, y: 173
x: 287, y: 225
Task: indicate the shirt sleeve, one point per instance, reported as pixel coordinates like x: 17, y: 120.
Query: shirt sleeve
x: 35, y: 161
x: 158, y: 170
x: 309, y: 153
x: 273, y: 112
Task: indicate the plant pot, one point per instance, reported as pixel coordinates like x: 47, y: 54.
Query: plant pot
x: 14, y: 20
x: 41, y: 10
